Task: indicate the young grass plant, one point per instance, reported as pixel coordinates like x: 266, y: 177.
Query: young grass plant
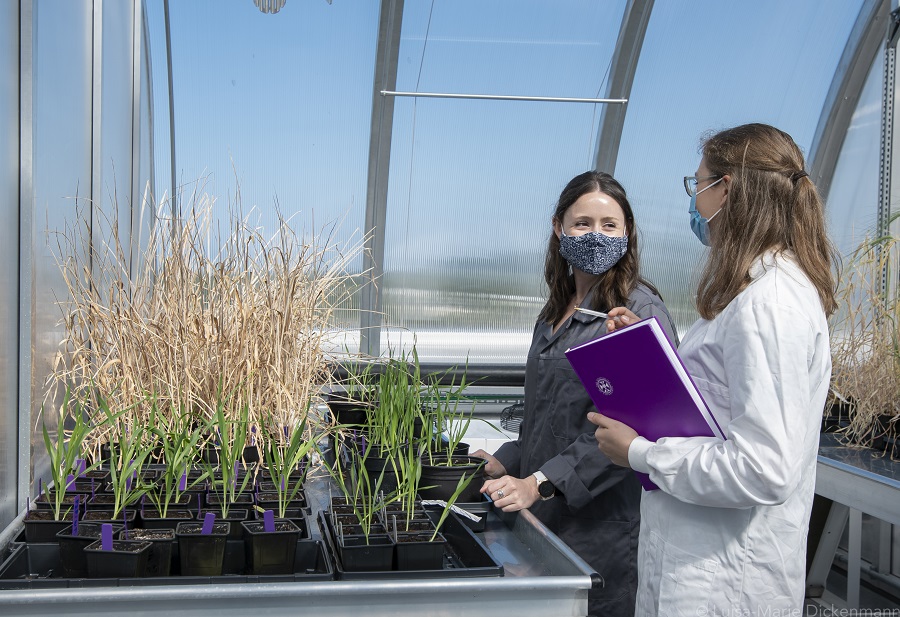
x: 128, y: 452
x: 230, y: 437
x: 449, y: 421
x: 866, y: 343
x: 65, y: 451
x: 392, y: 423
x: 365, y: 497
x: 286, y: 455
x: 178, y: 437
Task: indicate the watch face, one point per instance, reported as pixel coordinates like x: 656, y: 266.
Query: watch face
x: 546, y: 489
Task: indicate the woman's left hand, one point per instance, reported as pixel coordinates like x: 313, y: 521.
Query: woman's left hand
x: 613, y: 438
x: 512, y: 494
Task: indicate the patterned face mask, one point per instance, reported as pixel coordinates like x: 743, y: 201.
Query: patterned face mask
x: 593, y: 252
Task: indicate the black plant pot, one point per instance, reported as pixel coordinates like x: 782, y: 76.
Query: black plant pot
x: 375, y: 466
x: 360, y: 554
x: 71, y: 547
x: 235, y: 516
x: 201, y: 554
x: 127, y: 517
x: 127, y: 559
x: 162, y: 541
x: 68, y: 501
x: 297, y: 516
x: 442, y: 479
x: 270, y: 552
x: 215, y: 500
x: 152, y: 520
x: 417, y: 551
x: 40, y: 526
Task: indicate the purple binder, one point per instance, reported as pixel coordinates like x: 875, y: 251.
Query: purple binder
x: 634, y: 375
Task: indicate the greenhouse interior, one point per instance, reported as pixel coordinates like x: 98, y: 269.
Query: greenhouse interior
x: 237, y: 368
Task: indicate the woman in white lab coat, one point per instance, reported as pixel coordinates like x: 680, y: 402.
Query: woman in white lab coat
x: 726, y: 532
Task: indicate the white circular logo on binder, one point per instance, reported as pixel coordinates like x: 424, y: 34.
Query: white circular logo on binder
x: 604, y: 386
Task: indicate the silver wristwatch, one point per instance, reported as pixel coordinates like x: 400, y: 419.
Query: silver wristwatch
x: 545, y: 488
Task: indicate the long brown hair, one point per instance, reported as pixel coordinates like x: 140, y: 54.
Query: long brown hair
x: 614, y: 286
x: 771, y: 205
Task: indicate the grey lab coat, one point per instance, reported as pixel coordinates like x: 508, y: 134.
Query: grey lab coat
x: 597, y: 507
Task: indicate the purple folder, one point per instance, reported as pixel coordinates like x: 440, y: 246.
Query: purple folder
x: 634, y: 375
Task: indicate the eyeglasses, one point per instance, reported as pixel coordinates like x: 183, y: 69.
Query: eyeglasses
x: 690, y: 183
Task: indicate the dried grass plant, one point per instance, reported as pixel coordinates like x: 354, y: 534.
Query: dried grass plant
x: 866, y: 345
x: 199, y: 314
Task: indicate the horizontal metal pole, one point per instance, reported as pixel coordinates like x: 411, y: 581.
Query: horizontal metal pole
x: 501, y: 97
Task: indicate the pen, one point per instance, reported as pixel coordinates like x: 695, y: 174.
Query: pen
x: 590, y: 312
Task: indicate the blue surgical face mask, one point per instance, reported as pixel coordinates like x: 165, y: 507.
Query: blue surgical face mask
x: 593, y: 252
x: 699, y: 224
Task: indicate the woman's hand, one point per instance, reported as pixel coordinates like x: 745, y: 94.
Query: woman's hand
x: 620, y: 317
x: 512, y: 494
x: 493, y: 468
x: 613, y: 438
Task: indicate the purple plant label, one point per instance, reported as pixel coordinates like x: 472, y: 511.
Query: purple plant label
x: 70, y: 482
x: 269, y: 521
x: 75, y: 515
x: 128, y: 483
x: 208, y: 522
x: 80, y: 466
x: 182, y: 483
x: 106, y: 534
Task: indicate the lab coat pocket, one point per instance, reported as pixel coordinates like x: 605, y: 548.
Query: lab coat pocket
x: 686, y: 581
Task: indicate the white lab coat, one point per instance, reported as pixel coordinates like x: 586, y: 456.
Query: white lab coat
x: 726, y: 534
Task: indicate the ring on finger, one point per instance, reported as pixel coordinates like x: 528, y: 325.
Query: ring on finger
x: 500, y: 493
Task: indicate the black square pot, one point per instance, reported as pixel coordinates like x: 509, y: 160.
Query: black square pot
x: 71, y: 547
x: 270, y: 552
x: 417, y: 551
x: 127, y: 559
x: 201, y: 555
x: 162, y: 541
x: 41, y: 527
x: 358, y: 554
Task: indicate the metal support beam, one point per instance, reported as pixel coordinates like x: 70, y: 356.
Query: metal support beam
x: 621, y: 77
x: 26, y: 249
x: 96, y: 192
x: 174, y: 196
x: 888, y: 139
x: 499, y: 97
x: 388, y: 51
x: 134, y: 206
x: 860, y: 51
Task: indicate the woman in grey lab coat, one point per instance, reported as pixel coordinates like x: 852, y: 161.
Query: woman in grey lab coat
x: 554, y: 467
x: 726, y: 532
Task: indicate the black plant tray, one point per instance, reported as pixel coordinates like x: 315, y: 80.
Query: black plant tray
x: 37, y: 566
x: 465, y: 555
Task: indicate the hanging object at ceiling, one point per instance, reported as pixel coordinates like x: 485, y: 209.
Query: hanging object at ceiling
x: 272, y: 6
x: 269, y: 6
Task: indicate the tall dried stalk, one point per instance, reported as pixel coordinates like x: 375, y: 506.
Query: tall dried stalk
x: 202, y: 316
x: 866, y: 344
